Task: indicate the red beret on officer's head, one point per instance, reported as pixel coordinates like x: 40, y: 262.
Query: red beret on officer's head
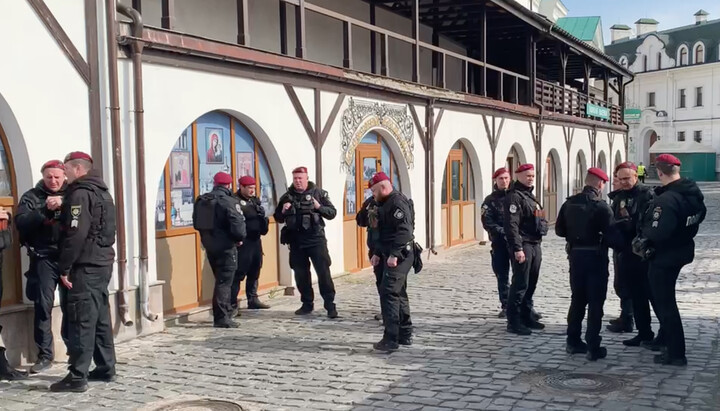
x: 525, y: 167
x: 377, y: 178
x: 301, y: 169
x: 669, y: 159
x: 78, y: 155
x: 246, y: 181
x: 222, y: 178
x: 597, y: 172
x: 53, y: 164
x: 500, y: 171
x: 627, y: 164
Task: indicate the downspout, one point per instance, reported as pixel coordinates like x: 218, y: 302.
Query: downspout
x: 136, y: 48
x: 627, y: 135
x: 430, y: 120
x: 111, y: 27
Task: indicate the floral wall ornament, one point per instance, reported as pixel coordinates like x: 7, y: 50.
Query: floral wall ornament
x: 362, y: 116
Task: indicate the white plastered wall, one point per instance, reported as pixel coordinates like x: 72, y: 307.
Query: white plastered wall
x: 553, y: 143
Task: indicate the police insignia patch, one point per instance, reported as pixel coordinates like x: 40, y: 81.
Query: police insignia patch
x: 243, y: 202
x: 622, y: 204
x: 75, y: 211
x: 484, y: 209
x: 398, y: 214
x: 656, y: 213
x: 74, y: 224
x: 307, y: 197
x: 513, y: 208
x: 654, y: 224
x: 238, y: 208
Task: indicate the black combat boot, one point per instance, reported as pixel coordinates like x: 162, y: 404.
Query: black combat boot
x: 535, y: 315
x: 625, y: 325
x: 69, y: 384
x: 6, y: 371
x: 595, y: 354
x: 332, y: 312
x: 386, y: 345
x: 304, y: 310
x: 664, y: 359
x: 638, y: 340
x: 41, y: 365
x: 517, y: 327
x: 227, y: 324
x: 576, y: 347
x: 406, y: 340
x: 533, y: 324
x: 256, y: 304
x: 102, y: 375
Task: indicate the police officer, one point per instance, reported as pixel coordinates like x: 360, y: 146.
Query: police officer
x: 303, y: 209
x: 395, y: 255
x: 492, y: 221
x: 38, y: 222
x: 585, y: 222
x: 250, y: 253
x: 525, y: 226
x: 629, y: 204
x: 641, y: 172
x: 621, y: 280
x: 6, y: 371
x: 85, y: 266
x: 367, y: 217
x: 666, y: 239
x: 218, y: 217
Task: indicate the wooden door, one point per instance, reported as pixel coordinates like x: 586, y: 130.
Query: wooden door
x: 550, y: 191
x: 368, y: 162
x: 454, y: 170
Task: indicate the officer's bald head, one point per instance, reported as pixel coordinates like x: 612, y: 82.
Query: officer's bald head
x: 594, y: 181
x: 77, y: 168
x: 667, y: 169
x: 381, y: 190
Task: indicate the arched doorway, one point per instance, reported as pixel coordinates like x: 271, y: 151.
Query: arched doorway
x: 458, y: 198
x: 580, y: 170
x: 651, y: 137
x: 618, y: 160
x: 214, y: 142
x: 11, y: 277
x: 602, y: 164
x: 372, y: 155
x: 513, y: 160
x: 550, y: 187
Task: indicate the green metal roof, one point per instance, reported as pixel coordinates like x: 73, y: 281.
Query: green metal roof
x: 647, y: 21
x: 620, y: 27
x: 583, y: 28
x: 702, y: 13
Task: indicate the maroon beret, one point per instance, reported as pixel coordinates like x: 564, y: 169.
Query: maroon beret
x: 222, y: 178
x: 599, y: 173
x: 669, y: 159
x: 53, y: 164
x: 627, y: 164
x: 377, y: 178
x: 300, y: 170
x: 500, y: 171
x: 525, y: 167
x: 78, y: 155
x: 246, y: 181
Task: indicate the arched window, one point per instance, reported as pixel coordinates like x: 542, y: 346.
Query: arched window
x: 699, y: 53
x: 658, y: 65
x: 212, y: 143
x: 645, y: 63
x: 683, y: 56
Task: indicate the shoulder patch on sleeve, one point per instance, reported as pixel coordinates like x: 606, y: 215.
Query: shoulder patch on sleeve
x: 513, y: 208
x: 238, y: 208
x: 75, y: 211
x: 398, y: 214
x: 656, y: 213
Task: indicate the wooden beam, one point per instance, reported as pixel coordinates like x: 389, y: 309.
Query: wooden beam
x: 137, y: 5
x: 437, y: 121
x: 302, y: 115
x: 94, y: 101
x: 384, y: 58
x: 483, y: 51
x: 532, y: 67
x: 331, y: 118
x: 373, y: 40
x: 318, y: 146
x: 347, y: 45
x: 300, y: 29
x: 61, y: 38
x: 283, y: 28
x: 243, y: 35
x: 167, y: 21
x: 415, y: 20
x: 606, y: 82
x: 418, y: 126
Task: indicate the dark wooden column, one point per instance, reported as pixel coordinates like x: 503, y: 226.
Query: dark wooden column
x: 531, y: 66
x: 415, y: 18
x: 283, y: 28
x: 373, y: 40
x: 168, y: 14
x: 483, y: 51
x: 243, y: 37
x: 137, y: 5
x: 621, y: 92
x: 300, y: 29
x: 586, y: 83
x: 347, y: 45
x: 384, y: 58
x: 606, y: 85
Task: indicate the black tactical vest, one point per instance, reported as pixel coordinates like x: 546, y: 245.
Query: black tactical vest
x: 205, y: 212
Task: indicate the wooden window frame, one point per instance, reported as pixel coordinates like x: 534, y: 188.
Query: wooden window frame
x: 11, y: 202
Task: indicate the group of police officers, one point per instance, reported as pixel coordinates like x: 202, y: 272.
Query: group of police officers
x: 651, y: 234
x: 67, y: 224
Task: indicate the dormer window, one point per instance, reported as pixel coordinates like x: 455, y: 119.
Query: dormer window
x: 699, y: 53
x: 683, y: 58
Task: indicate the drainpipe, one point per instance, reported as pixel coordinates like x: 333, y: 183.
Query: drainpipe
x: 136, y: 49
x: 430, y: 125
x: 111, y: 27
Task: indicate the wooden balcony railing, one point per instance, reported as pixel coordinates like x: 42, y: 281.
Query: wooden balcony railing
x: 557, y: 99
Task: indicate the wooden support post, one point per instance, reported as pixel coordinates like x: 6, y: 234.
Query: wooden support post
x: 415, y: 19
x: 300, y: 29
x: 586, y: 80
x: 384, y: 58
x: 347, y: 45
x: 483, y: 51
x: 168, y: 14
x: 532, y: 68
x: 464, y: 81
x: 606, y: 87
x: 373, y: 40
x: 501, y: 86
x: 243, y: 34
x: 137, y: 5
x: 283, y: 28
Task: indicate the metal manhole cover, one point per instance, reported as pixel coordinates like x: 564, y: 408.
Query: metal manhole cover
x: 583, y: 383
x: 201, y: 405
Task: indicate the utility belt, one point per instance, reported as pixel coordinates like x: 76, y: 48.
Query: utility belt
x: 50, y: 255
x: 416, y: 249
x: 642, y: 247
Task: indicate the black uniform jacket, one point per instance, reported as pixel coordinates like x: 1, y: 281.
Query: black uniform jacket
x: 585, y: 220
x: 520, y: 222
x: 367, y: 216
x: 228, y: 222
x: 492, y: 217
x: 672, y: 220
x: 327, y: 211
x: 38, y: 226
x: 395, y: 223
x: 81, y: 224
x: 628, y: 208
x: 256, y: 223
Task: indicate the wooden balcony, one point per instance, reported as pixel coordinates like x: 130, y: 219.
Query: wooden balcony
x: 557, y: 99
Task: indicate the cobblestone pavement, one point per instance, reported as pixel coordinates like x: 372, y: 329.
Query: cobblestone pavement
x: 462, y: 357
